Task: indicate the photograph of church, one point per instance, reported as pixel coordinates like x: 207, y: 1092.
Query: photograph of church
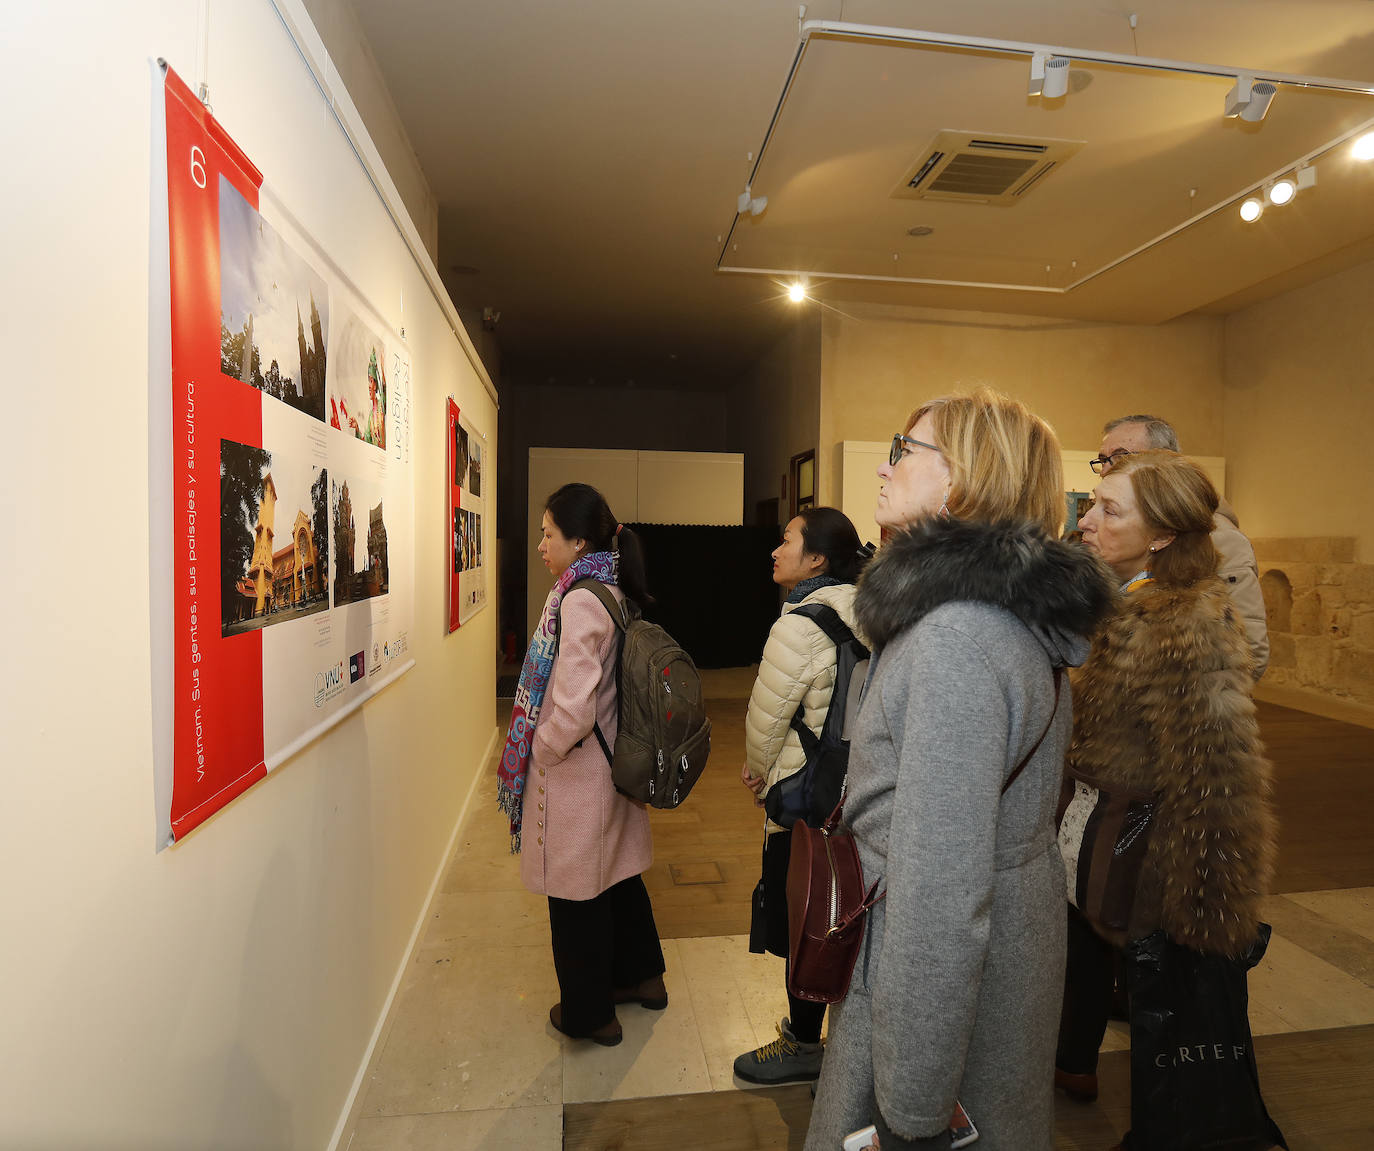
x: 361, y: 569
x: 274, y: 309
x: 274, y: 565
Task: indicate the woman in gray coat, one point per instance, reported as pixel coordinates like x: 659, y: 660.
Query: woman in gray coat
x: 974, y: 606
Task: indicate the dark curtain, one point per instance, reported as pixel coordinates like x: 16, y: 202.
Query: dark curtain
x: 713, y: 588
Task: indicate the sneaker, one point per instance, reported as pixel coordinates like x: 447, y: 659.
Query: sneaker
x: 785, y: 1060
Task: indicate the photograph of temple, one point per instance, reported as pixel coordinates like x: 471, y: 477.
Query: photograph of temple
x: 269, y: 576
x: 358, y: 577
x: 274, y: 309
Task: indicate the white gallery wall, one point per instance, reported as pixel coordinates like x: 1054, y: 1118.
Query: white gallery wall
x: 222, y: 993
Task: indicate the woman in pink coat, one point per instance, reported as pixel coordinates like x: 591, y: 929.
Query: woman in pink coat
x: 583, y: 844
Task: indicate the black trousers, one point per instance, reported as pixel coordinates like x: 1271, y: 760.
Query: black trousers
x: 599, y: 945
x: 1088, y: 981
x: 805, y: 1017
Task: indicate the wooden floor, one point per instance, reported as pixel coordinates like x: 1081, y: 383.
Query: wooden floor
x: 1318, y: 1084
x: 707, y: 853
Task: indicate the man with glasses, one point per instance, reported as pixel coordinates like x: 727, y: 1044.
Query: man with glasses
x: 1238, y: 568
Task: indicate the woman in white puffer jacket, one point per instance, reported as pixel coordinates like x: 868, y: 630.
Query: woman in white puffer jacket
x: 818, y: 561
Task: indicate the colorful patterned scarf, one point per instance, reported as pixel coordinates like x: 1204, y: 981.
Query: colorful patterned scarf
x: 534, y: 681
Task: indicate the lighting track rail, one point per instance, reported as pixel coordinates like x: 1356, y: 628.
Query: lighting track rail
x: 1244, y: 78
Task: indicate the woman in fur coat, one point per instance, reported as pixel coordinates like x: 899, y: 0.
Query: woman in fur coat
x: 817, y: 563
x: 974, y: 606
x: 1163, y: 705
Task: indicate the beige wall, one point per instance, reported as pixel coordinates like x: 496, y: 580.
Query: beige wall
x: 878, y: 363
x: 343, y: 38
x: 1299, y: 409
x: 775, y: 410
x: 221, y: 993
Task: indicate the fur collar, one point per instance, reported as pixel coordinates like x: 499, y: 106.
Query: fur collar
x: 1056, y: 589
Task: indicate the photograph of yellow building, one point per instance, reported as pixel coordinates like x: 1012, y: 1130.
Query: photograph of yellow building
x: 267, y: 578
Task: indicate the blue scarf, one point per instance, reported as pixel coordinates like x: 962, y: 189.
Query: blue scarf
x: 534, y: 682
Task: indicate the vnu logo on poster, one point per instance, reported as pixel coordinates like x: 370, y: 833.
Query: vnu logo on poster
x: 329, y: 683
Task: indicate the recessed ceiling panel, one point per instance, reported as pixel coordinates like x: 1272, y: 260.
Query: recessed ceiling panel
x: 983, y: 168
x: 884, y: 162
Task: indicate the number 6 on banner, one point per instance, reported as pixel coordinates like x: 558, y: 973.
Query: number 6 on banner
x: 198, y: 167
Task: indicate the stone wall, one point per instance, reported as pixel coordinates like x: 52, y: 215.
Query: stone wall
x: 1320, y: 607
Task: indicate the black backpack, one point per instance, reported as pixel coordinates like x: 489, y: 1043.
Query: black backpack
x: 663, y: 737
x: 811, y: 793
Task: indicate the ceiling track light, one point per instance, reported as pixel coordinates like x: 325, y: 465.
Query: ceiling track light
x: 1049, y: 75
x: 1249, y: 99
x: 796, y: 292
x: 1279, y: 192
x: 1363, y: 148
x: 748, y: 202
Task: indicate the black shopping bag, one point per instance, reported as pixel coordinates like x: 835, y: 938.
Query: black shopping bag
x: 1194, y: 1083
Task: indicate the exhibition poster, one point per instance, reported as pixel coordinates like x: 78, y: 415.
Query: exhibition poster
x: 467, y: 465
x: 292, y: 481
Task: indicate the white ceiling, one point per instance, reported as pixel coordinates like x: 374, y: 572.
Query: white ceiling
x: 587, y: 159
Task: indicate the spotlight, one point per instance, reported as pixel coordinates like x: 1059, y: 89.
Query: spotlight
x: 1281, y: 192
x: 1306, y: 177
x: 1249, y: 99
x: 1056, y: 77
x: 1049, y: 76
x: 1364, y: 147
x: 797, y: 292
x: 748, y: 202
x: 1261, y: 96
x: 1251, y: 210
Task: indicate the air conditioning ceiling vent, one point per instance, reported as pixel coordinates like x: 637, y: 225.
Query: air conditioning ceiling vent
x: 979, y: 168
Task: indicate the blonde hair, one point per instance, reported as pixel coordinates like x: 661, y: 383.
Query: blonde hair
x: 1004, y: 460
x: 1174, y: 495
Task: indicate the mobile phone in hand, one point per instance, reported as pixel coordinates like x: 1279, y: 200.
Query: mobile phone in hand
x: 858, y: 1140
x: 962, y: 1132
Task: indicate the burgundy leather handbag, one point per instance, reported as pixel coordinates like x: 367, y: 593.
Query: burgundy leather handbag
x: 826, y: 900
x: 826, y: 907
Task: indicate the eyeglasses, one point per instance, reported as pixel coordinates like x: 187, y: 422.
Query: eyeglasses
x: 899, y: 442
x: 1103, y: 464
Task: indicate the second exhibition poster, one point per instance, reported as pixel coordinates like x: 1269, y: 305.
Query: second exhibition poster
x: 293, y: 513
x: 468, y: 461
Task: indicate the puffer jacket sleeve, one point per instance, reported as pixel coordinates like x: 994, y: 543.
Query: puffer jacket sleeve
x: 793, y: 661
